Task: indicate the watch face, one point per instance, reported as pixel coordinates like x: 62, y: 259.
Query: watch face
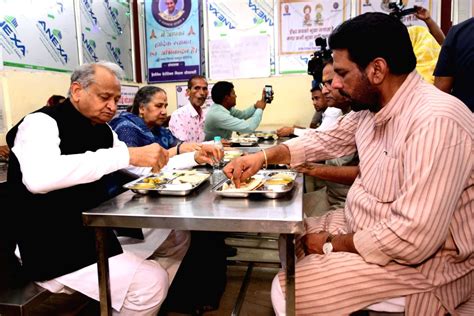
x: 327, y: 248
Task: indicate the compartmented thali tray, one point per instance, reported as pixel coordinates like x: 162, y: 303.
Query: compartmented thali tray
x: 260, y: 135
x: 266, y: 135
x: 244, y: 140
x: 179, y: 182
x: 270, y: 183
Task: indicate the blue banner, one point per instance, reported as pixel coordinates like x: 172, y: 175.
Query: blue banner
x: 173, y: 42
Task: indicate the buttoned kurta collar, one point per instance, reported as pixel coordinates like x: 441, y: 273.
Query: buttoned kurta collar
x: 393, y: 107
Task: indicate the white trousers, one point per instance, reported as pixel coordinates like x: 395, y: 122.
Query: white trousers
x: 141, y: 284
x: 392, y: 305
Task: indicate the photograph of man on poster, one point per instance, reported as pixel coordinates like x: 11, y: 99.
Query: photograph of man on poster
x: 174, y: 9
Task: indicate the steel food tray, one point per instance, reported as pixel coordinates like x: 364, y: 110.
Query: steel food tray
x: 266, y: 135
x: 245, y: 140
x: 179, y: 182
x: 270, y: 187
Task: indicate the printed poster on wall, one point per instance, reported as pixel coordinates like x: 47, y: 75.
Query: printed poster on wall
x: 40, y: 37
x: 3, y: 123
x: 301, y: 22
x: 128, y: 93
x: 233, y: 21
x: 239, y: 57
x: 364, y: 6
x: 173, y: 39
x: 106, y: 33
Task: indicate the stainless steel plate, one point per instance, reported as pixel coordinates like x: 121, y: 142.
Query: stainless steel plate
x: 270, y: 189
x: 266, y: 135
x: 179, y: 182
x: 250, y: 140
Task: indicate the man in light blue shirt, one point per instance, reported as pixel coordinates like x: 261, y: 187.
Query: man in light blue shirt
x: 222, y: 118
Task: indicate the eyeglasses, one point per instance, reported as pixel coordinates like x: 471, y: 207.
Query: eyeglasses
x: 326, y: 84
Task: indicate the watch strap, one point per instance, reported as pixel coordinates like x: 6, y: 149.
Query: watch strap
x: 327, y: 246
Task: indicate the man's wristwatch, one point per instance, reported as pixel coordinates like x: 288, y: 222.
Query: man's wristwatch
x: 327, y: 246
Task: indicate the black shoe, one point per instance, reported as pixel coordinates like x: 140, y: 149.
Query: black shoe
x: 230, y: 251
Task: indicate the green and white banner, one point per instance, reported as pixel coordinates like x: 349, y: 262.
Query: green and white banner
x: 38, y: 34
x: 106, y: 33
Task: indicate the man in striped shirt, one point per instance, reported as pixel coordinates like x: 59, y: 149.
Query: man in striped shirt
x: 406, y: 230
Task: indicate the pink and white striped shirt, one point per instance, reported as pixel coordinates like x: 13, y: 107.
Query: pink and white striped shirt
x: 411, y: 207
x: 187, y: 125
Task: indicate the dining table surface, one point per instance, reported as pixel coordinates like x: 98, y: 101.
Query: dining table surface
x: 203, y: 209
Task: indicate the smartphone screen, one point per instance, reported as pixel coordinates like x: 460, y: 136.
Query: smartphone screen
x: 268, y: 93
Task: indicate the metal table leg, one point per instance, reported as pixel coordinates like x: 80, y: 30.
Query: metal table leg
x: 243, y: 289
x: 103, y: 272
x: 290, y: 274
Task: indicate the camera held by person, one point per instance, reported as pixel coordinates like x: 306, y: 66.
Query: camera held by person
x: 397, y: 9
x: 317, y: 61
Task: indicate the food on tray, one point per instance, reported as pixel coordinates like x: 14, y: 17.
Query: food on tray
x: 192, y: 178
x: 155, y: 180
x: 143, y: 185
x: 265, y: 135
x: 248, y: 185
x: 175, y: 183
x: 244, y: 140
x: 278, y: 181
x: 231, y: 154
x: 283, y: 175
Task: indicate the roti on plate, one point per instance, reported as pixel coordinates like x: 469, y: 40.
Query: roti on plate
x: 248, y: 185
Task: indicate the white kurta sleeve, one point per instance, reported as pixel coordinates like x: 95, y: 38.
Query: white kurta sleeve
x: 45, y: 169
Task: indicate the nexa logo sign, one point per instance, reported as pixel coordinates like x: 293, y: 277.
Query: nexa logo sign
x: 220, y: 16
x: 88, y: 7
x: 113, y: 14
x: 89, y: 46
x: 53, y: 39
x: 115, y: 53
x: 260, y: 13
x: 10, y: 33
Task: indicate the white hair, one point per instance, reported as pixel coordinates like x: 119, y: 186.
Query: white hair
x: 84, y: 74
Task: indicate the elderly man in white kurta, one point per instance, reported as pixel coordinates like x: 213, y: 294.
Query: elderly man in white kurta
x: 406, y: 230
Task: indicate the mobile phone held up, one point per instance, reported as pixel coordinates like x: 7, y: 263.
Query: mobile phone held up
x: 268, y: 93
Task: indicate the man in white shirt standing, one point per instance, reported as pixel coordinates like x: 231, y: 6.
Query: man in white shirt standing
x: 187, y: 122
x: 329, y: 116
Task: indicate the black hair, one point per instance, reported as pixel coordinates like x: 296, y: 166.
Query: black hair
x: 143, y: 97
x: 190, y: 81
x: 55, y: 99
x: 373, y: 35
x: 220, y: 90
x: 315, y: 88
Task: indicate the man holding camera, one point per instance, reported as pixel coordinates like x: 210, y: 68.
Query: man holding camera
x: 406, y: 230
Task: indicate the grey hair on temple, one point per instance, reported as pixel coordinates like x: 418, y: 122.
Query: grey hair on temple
x: 84, y: 74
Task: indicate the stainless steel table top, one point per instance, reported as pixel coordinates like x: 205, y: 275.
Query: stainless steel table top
x: 203, y: 210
